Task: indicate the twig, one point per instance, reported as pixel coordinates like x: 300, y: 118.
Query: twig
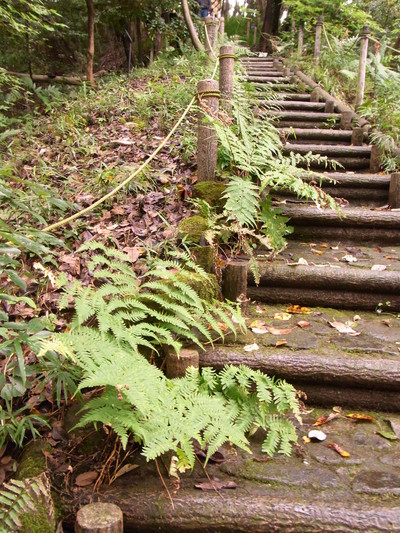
x: 165, y: 486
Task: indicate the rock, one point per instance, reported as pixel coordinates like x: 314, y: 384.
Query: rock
x: 32, y: 462
x: 211, y: 192
x: 192, y: 229
x: 204, y: 257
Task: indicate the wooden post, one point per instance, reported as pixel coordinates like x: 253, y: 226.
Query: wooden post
x: 346, y: 119
x: 255, y: 34
x: 357, y: 137
x: 376, y: 159
x: 394, y: 190
x: 248, y: 28
x: 99, y: 518
x: 362, y: 67
x: 234, y: 284
x: 207, y: 142
x: 330, y: 106
x: 293, y: 35
x: 318, y: 34
x: 226, y: 70
x: 287, y: 72
x: 277, y: 64
x: 222, y: 26
x: 315, y: 95
x: 211, y: 26
x: 301, y: 40
x: 178, y: 364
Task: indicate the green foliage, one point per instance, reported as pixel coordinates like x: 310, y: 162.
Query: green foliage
x: 20, y: 498
x: 121, y: 317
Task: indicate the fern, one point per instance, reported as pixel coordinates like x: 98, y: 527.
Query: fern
x: 137, y: 399
x: 18, y: 498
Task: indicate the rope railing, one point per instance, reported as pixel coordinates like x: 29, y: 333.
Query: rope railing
x: 109, y: 195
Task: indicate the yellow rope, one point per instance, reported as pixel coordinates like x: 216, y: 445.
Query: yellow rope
x: 208, y: 42
x: 327, y: 39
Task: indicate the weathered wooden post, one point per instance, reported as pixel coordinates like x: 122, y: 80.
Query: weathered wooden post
x: 99, y: 518
x: 315, y: 95
x: 301, y: 40
x: 394, y: 190
x: 248, y: 28
x: 234, y: 283
x: 207, y: 142
x: 375, y: 161
x: 318, y: 34
x: 293, y: 36
x: 222, y: 26
x: 178, y: 364
x: 226, y: 70
x: 330, y: 106
x: 346, y: 120
x: 255, y: 33
x: 357, y: 137
x: 362, y: 67
x: 276, y: 63
x: 211, y: 27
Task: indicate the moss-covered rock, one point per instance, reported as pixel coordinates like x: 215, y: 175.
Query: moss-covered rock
x: 204, y: 257
x: 211, y: 192
x: 90, y: 440
x: 39, y: 520
x: 193, y: 229
x: 207, y: 289
x: 33, y: 462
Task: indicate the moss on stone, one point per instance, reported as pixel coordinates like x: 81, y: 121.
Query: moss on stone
x: 40, y: 520
x: 33, y: 461
x: 204, y: 257
x: 211, y: 192
x: 193, y: 229
x: 207, y: 289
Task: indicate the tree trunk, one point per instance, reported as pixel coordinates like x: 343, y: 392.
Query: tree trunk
x: 90, y: 50
x: 270, y: 25
x: 192, y: 30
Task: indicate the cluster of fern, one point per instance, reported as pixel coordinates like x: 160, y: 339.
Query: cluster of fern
x: 120, y: 318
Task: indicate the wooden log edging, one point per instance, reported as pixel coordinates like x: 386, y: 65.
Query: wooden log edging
x: 207, y: 141
x: 358, y: 371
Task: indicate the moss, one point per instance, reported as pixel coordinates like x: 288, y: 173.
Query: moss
x: 193, y: 228
x: 33, y: 461
x: 38, y: 521
x: 211, y: 192
x: 207, y: 289
x: 204, y: 257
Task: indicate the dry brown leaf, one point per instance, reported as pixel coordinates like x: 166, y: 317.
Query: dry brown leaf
x: 216, y: 485
x: 276, y: 331
x: 342, y: 328
x: 259, y: 331
x: 303, y: 324
x: 325, y: 419
x: 87, y: 478
x: 282, y: 342
x: 298, y: 310
x: 339, y: 450
x: 257, y: 324
x: 123, y: 470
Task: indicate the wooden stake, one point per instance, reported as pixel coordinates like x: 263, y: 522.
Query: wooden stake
x: 362, y: 67
x: 255, y: 34
x: 330, y: 106
x: 277, y: 64
x: 222, y: 26
x: 207, y: 142
x: 315, y: 95
x: 301, y: 40
x: 226, y: 70
x: 287, y: 72
x: 376, y: 159
x: 394, y: 190
x: 211, y: 34
x: 177, y: 365
x: 346, y: 119
x: 318, y: 33
x: 99, y: 518
x: 234, y: 285
x: 357, y: 137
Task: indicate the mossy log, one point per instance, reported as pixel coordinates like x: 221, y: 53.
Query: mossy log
x: 355, y: 235
x: 99, y: 518
x: 192, y: 229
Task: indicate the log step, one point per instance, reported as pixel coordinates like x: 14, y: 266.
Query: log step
x: 355, y: 196
x: 347, y: 163
x: 294, y: 105
x: 301, y: 97
x: 304, y: 116
x: 352, y: 234
x: 328, y: 150
x: 263, y: 73
x: 315, y: 134
x: 268, y: 79
x: 308, y: 124
x: 286, y: 87
x: 353, y: 179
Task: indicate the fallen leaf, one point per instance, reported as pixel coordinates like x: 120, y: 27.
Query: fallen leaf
x: 216, y: 485
x: 388, y: 436
x: 387, y: 323
x: 303, y: 324
x: 259, y: 331
x: 342, y: 328
x: 315, y: 434
x: 360, y: 417
x: 282, y: 316
x: 259, y: 310
x: 356, y: 318
x: 395, y: 426
x: 216, y: 458
x: 325, y: 419
x: 298, y: 310
x: 317, y: 252
x: 378, y: 268
x: 349, y: 259
x: 251, y: 348
x: 324, y: 245
x: 123, y: 470
x: 87, y: 478
x: 132, y: 252
x: 339, y: 450
x: 306, y: 439
x: 282, y: 342
x: 276, y: 331
x: 257, y: 324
